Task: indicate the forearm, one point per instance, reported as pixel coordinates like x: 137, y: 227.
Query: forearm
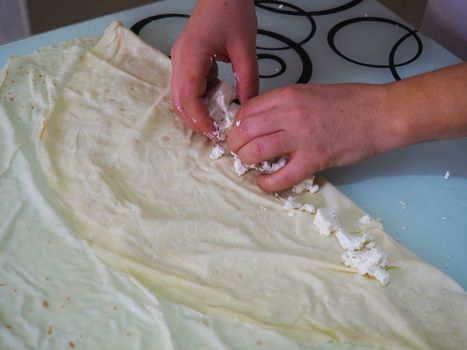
x: 428, y: 107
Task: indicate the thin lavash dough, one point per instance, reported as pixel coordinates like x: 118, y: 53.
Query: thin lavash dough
x: 141, y: 189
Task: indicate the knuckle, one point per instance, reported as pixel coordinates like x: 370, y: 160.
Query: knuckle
x: 288, y: 92
x: 244, y: 129
x: 258, y: 150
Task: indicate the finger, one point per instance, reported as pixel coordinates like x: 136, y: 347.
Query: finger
x: 266, y: 147
x: 189, y: 82
x: 247, y: 129
x: 267, y: 101
x: 245, y: 67
x: 294, y: 172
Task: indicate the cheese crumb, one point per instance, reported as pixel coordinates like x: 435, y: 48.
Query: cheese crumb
x: 447, y: 175
x: 217, y: 152
x: 308, y: 208
x: 221, y: 107
x: 368, y: 262
x: 365, y: 220
x: 350, y: 241
x: 291, y: 204
x: 306, y: 185
x: 269, y: 167
x: 326, y: 221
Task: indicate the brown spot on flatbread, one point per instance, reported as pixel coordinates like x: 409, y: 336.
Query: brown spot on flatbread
x: 115, y: 308
x: 50, y: 330
x: 43, y: 130
x: 8, y: 327
x: 45, y: 303
x: 71, y: 344
x: 206, y: 323
x: 258, y: 343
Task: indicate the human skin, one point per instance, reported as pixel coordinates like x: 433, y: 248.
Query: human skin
x: 316, y: 126
x: 218, y: 30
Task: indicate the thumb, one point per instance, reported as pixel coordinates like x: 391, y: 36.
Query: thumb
x: 245, y: 68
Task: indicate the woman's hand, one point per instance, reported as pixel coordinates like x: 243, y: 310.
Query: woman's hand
x: 223, y: 30
x: 317, y: 126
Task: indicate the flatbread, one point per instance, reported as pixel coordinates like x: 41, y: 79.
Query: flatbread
x: 141, y: 189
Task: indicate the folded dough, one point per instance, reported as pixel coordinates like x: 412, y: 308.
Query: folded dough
x: 142, y: 190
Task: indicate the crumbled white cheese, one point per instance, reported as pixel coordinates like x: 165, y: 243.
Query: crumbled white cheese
x: 447, y: 175
x: 221, y: 107
x: 326, y: 221
x: 369, y: 261
x: 241, y: 168
x: 269, y: 167
x: 291, y: 203
x: 365, y: 220
x: 263, y: 167
x: 217, y: 152
x: 237, y: 123
x: 306, y: 185
x: 308, y: 208
x: 350, y: 241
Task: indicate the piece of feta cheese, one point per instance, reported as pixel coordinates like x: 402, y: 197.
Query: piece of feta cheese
x: 326, y: 221
x: 308, y: 208
x: 269, y: 167
x: 241, y: 168
x: 447, y: 175
x: 217, y: 152
x: 221, y: 107
x: 369, y: 261
x: 306, y: 185
x: 350, y: 241
x: 291, y: 203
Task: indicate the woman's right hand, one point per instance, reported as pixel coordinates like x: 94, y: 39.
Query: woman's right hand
x: 218, y: 30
